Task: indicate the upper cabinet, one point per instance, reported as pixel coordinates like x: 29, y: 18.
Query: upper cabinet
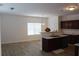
x: 73, y: 24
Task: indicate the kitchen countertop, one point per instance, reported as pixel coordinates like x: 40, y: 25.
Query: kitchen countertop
x: 51, y: 37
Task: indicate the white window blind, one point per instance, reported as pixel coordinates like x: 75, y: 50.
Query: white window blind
x: 33, y: 28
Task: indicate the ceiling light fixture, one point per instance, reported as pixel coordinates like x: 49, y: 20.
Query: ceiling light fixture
x: 71, y: 7
x: 12, y: 8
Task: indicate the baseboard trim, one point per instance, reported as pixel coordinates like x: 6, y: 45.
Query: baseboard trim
x: 21, y: 41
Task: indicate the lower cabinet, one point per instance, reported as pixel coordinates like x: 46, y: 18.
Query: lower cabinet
x: 52, y: 44
x: 73, y: 39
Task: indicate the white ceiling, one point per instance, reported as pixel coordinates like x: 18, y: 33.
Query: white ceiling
x: 35, y: 9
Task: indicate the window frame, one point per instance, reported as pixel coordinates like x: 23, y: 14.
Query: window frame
x: 33, y: 29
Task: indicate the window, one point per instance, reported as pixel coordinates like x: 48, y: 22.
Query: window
x: 33, y: 28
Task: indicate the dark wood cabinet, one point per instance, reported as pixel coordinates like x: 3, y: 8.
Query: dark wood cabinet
x: 55, y: 43
x: 72, y: 39
x: 73, y: 24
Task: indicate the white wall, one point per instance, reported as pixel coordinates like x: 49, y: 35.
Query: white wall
x: 14, y: 27
x: 53, y: 23
x: 70, y: 17
x: 67, y: 18
x: 0, y: 35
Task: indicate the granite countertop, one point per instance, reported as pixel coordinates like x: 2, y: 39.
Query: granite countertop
x: 62, y: 35
x: 58, y: 36
x: 49, y: 37
x: 77, y: 44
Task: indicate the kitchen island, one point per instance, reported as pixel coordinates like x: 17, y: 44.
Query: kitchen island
x: 53, y: 43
